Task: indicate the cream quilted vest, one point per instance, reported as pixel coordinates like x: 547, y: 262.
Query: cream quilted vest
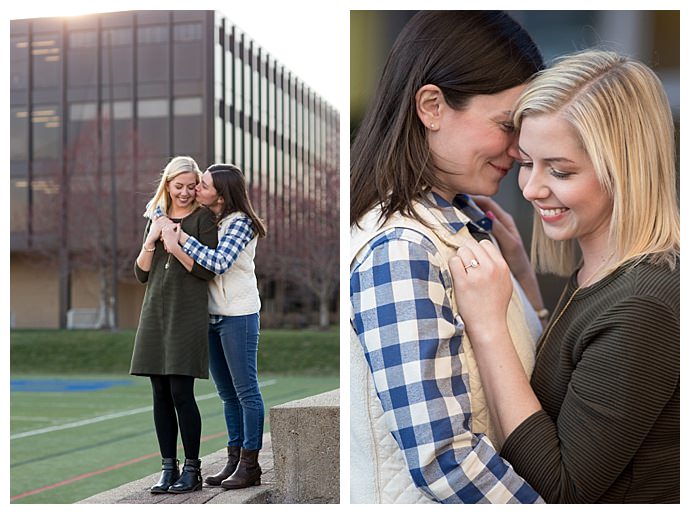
x: 378, y: 473
x: 235, y: 292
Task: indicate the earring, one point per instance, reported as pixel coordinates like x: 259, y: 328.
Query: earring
x: 432, y: 125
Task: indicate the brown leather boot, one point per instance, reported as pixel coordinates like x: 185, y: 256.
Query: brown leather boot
x: 248, y: 472
x: 229, y: 469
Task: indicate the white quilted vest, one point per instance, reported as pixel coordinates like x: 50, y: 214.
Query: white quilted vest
x: 378, y: 473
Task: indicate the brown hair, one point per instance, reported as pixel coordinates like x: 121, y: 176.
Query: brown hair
x: 229, y: 182
x: 463, y: 53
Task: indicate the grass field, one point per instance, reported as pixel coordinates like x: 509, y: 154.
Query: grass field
x: 76, y: 434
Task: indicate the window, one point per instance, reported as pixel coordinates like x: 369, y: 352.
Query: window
x: 121, y: 123
x: 187, y: 32
x: 188, y: 51
x: 187, y: 126
x: 152, y: 34
x: 218, y: 142
x: 82, y: 111
x: 238, y: 85
x: 19, y: 205
x: 46, y: 61
x: 19, y: 134
x: 218, y: 57
x: 19, y: 62
x: 152, y: 50
x: 122, y: 109
x: 83, y: 39
x: 247, y: 89
x: 46, y: 132
x: 83, y: 60
x: 191, y: 106
x: 116, y: 55
x: 117, y: 37
x: 152, y: 108
x: 153, y: 126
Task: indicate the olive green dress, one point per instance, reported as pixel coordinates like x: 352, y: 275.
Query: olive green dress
x: 172, y: 336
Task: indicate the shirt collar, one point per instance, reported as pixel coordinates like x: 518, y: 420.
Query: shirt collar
x: 463, y: 211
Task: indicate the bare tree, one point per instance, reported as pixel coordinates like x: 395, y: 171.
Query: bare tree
x: 80, y: 217
x: 314, y: 261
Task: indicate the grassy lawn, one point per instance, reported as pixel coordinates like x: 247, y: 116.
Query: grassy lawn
x: 79, y: 424
x: 93, y: 351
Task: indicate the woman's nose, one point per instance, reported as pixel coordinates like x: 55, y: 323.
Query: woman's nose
x: 532, y: 184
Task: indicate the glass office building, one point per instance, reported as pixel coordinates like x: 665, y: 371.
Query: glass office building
x: 100, y: 103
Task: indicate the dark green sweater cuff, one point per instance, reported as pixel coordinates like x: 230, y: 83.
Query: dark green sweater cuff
x: 533, y: 451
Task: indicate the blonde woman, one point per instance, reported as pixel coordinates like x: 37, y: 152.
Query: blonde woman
x: 171, y: 344
x: 599, y: 421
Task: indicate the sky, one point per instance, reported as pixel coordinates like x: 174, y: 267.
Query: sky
x: 309, y: 37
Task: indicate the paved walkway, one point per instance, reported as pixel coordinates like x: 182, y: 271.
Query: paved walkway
x: 138, y: 491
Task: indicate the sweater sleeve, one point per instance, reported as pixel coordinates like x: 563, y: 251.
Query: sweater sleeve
x: 208, y: 236
x: 624, y: 374
x: 141, y: 275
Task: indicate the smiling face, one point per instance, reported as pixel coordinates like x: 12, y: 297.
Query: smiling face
x: 472, y: 145
x: 182, y: 191
x: 558, y: 177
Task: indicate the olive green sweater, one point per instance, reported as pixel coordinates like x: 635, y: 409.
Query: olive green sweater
x: 172, y: 335
x: 607, y: 378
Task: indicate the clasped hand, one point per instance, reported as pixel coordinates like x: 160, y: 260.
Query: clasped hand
x: 164, y: 229
x: 170, y: 235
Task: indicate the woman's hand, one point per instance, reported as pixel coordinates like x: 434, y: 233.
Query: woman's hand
x: 156, y: 228
x: 171, y: 236
x: 506, y: 233
x: 509, y: 240
x: 483, y: 287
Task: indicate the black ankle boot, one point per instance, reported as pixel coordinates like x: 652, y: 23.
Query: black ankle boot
x: 190, y: 479
x: 170, y: 472
x: 229, y: 469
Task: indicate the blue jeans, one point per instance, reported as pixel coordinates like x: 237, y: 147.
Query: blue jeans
x: 233, y: 345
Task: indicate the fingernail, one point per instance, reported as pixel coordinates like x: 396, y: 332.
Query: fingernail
x: 490, y: 215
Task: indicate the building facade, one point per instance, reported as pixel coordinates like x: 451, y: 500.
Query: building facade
x: 100, y: 103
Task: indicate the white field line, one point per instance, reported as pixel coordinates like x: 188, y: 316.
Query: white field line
x: 106, y: 417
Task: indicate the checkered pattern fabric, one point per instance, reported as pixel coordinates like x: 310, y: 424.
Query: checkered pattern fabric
x: 413, y: 344
x: 230, y: 244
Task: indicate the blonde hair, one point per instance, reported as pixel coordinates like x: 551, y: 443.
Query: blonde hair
x: 621, y: 114
x: 161, y: 198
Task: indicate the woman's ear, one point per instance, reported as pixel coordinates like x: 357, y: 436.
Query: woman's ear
x: 428, y: 100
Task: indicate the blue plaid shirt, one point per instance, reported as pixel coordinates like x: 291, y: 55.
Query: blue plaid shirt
x: 411, y: 340
x: 230, y: 244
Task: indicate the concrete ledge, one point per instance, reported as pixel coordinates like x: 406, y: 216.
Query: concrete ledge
x: 306, y: 449
x: 138, y: 491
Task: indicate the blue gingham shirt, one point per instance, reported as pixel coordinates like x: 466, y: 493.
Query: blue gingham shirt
x: 404, y: 320
x: 230, y: 245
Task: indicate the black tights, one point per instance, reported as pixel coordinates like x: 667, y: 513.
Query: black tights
x: 175, y: 394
